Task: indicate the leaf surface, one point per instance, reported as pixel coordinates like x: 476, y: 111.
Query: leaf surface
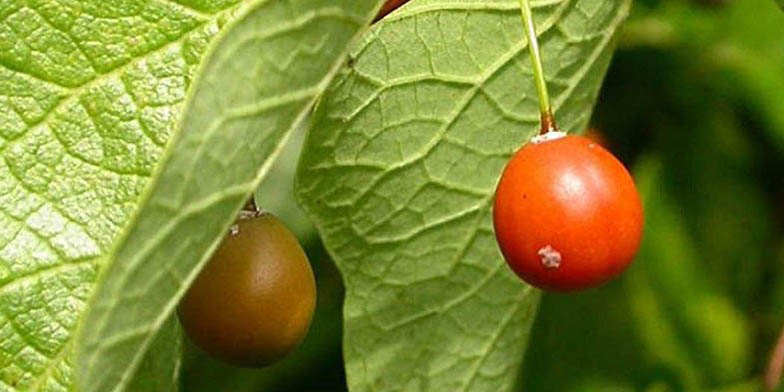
x: 89, y: 91
x: 399, y: 170
x: 160, y: 369
x: 257, y: 83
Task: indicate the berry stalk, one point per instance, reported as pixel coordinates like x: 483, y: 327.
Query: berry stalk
x: 545, y: 110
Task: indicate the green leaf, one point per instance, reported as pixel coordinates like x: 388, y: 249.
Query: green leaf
x: 612, y: 352
x: 258, y: 82
x: 682, y: 319
x: 753, y: 385
x: 399, y: 170
x: 160, y: 371
x: 88, y: 94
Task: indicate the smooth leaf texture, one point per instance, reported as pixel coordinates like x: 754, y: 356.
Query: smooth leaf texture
x: 399, y: 170
x: 89, y: 90
x: 256, y: 84
x: 160, y: 371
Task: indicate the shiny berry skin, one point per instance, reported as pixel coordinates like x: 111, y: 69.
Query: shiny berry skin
x: 254, y: 300
x: 567, y: 214
x: 390, y: 6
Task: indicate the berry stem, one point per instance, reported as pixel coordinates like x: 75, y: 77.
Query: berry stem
x: 545, y: 110
x: 250, y: 205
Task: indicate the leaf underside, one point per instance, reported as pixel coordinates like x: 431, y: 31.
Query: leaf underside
x: 160, y: 369
x: 399, y: 170
x: 89, y: 91
x: 258, y: 81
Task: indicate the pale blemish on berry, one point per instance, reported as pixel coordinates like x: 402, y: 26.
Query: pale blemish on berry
x: 546, y: 137
x: 551, y: 258
x: 244, y: 215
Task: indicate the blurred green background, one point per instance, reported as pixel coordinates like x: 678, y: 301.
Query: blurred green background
x: 694, y: 104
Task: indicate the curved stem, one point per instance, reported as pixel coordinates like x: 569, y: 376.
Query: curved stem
x: 775, y: 365
x: 545, y: 110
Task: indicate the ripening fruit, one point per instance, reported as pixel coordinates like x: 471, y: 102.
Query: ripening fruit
x: 254, y: 300
x: 390, y: 6
x: 567, y: 215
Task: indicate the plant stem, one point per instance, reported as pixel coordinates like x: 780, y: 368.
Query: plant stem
x: 775, y: 365
x: 545, y: 110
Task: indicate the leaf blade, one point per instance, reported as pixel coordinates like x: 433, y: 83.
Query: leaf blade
x: 418, y: 128
x: 257, y: 84
x: 160, y: 369
x: 86, y: 92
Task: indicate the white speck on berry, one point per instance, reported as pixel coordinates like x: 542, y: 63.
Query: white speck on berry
x: 546, y: 137
x: 234, y: 230
x: 551, y: 258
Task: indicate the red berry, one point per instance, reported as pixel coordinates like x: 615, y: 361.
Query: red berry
x: 567, y: 214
